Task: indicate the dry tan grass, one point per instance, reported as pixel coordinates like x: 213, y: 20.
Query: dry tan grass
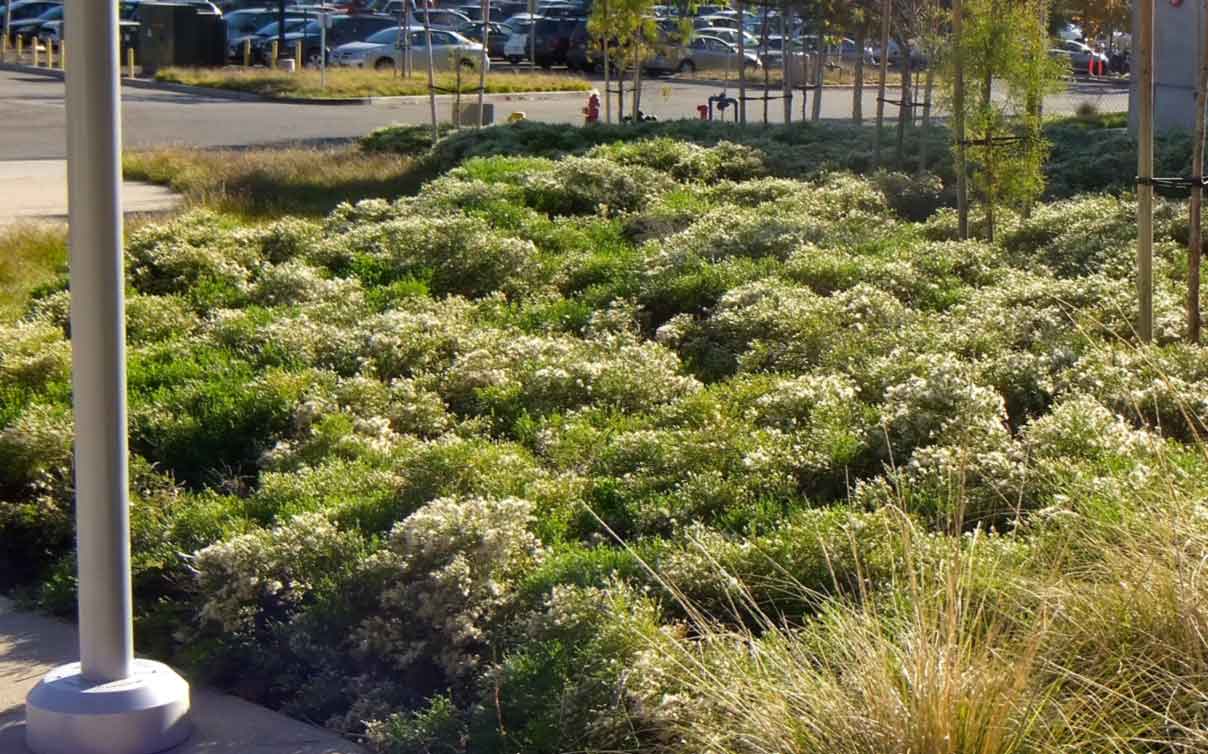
x: 31, y: 255
x: 273, y: 182
x: 356, y: 82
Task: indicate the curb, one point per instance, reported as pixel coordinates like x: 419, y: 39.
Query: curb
x: 206, y: 91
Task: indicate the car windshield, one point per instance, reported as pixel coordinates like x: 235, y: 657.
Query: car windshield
x: 387, y: 36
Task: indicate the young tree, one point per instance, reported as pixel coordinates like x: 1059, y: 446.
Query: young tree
x: 629, y: 33
x: 1005, y: 41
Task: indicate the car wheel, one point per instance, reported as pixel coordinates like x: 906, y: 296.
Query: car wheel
x: 687, y: 66
x: 313, y: 58
x: 466, y: 64
x: 385, y: 64
x: 514, y: 60
x: 750, y: 67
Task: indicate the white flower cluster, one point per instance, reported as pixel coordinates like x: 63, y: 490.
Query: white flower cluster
x: 268, y: 574
x: 450, y: 570
x: 33, y: 354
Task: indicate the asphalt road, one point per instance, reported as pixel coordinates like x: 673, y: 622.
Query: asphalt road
x: 34, y: 118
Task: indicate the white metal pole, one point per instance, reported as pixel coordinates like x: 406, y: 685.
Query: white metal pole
x: 94, y: 183
x: 108, y: 702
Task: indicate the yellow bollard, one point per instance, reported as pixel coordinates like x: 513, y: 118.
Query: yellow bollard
x: 247, y: 53
x: 19, y: 50
x: 50, y: 54
x: 272, y: 58
x: 34, y: 48
x: 298, y: 55
x: 63, y: 55
x: 130, y: 61
x: 3, y: 48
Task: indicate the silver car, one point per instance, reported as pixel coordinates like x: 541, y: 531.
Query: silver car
x: 382, y: 51
x: 715, y: 54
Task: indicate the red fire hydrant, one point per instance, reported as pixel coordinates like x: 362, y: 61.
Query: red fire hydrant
x: 703, y: 111
x: 591, y: 113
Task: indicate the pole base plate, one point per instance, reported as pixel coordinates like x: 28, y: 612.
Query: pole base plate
x: 145, y: 713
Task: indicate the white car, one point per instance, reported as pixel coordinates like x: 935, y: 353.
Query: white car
x: 382, y: 51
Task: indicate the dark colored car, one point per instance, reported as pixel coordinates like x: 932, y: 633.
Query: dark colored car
x: 552, y: 40
x: 474, y: 12
x: 344, y: 29
x: 27, y: 11
x: 28, y: 28
x: 497, y: 38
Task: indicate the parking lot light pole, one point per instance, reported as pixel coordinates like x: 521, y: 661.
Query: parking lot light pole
x: 109, y: 702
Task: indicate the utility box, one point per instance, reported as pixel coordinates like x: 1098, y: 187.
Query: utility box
x: 469, y: 114
x: 179, y: 34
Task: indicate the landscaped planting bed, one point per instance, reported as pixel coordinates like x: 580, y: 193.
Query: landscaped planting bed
x: 646, y: 449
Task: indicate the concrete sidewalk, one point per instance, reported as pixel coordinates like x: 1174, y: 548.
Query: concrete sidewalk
x: 30, y: 645
x: 37, y: 190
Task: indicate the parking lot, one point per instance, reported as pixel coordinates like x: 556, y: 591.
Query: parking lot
x: 32, y: 111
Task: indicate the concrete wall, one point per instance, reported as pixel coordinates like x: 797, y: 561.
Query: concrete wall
x: 1177, y: 47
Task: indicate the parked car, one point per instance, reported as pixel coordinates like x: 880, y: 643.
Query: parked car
x: 708, y: 53
x: 497, y: 37
x: 29, y: 28
x: 382, y: 51
x: 474, y: 13
x: 25, y: 11
x: 1079, y: 56
x: 344, y: 29
x: 550, y: 45
x: 751, y: 41
x: 262, y: 38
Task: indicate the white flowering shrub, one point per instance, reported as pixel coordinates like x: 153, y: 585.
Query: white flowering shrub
x: 402, y: 439
x: 943, y: 406
x: 196, y: 248
x: 33, y: 354
x: 686, y: 161
x: 450, y: 572
x: 586, y: 185
x: 510, y: 373
x: 255, y: 580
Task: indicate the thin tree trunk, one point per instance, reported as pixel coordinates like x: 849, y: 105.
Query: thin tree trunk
x: 1145, y: 57
x: 482, y: 64
x: 742, y: 67
x: 1195, y: 246
x: 607, y: 72
x: 819, y: 85
x: 786, y: 85
x: 431, y: 72
x: 857, y: 97
x: 637, y: 81
x: 763, y: 53
x: 928, y: 94
x: 906, y: 108
x: 987, y: 93
x: 958, y: 107
x: 886, y: 10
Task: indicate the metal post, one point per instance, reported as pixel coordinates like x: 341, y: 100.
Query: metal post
x: 130, y: 61
x: 247, y: 53
x: 131, y: 705
x: 1145, y: 174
